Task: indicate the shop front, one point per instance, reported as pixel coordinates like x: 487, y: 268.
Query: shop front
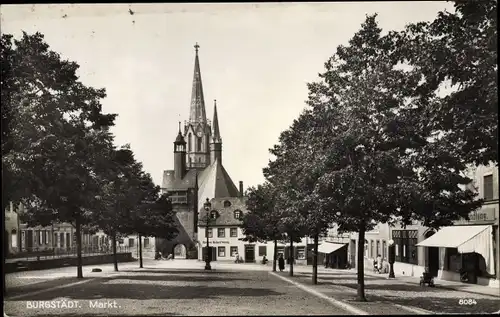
x: 466, y: 253
x: 333, y: 255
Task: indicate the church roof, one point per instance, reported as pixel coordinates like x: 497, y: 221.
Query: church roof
x: 216, y: 132
x: 213, y: 182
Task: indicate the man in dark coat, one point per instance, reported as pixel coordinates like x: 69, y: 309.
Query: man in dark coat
x: 281, y: 263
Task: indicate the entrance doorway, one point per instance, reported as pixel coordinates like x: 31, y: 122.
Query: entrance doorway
x: 180, y: 251
x: 249, y: 253
x: 432, y: 256
x: 212, y: 253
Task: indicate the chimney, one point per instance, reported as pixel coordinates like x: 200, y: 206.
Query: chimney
x: 241, y: 188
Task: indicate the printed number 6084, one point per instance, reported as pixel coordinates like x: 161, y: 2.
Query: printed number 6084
x: 467, y: 301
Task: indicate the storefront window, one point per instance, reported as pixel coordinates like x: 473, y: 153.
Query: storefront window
x: 407, y: 239
x: 301, y: 253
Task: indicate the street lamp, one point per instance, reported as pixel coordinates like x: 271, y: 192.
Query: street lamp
x: 392, y: 258
x: 208, y: 217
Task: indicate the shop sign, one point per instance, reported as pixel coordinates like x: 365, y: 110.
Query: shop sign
x: 483, y: 215
x: 216, y: 242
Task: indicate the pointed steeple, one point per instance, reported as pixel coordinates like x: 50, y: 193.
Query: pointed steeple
x: 197, y: 109
x: 215, y: 126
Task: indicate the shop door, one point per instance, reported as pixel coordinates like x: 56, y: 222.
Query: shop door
x: 249, y: 253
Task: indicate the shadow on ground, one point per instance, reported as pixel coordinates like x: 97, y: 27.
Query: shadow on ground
x: 435, y: 300
x: 131, y: 287
x: 178, y: 271
x: 38, y: 286
x: 117, y: 314
x: 180, y: 278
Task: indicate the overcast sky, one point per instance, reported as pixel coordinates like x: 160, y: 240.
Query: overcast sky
x: 255, y: 60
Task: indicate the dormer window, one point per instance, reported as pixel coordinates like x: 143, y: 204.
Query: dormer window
x: 214, y: 214
x: 237, y: 214
x: 227, y: 203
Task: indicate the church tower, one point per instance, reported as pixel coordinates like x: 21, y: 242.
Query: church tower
x: 197, y: 130
x: 215, y: 141
x: 179, y: 156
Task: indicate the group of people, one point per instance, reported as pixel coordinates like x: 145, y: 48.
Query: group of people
x: 159, y: 256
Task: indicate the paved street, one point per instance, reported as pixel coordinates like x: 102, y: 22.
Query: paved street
x: 160, y: 290
x: 182, y: 287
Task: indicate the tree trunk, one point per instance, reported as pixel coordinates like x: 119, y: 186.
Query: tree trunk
x: 291, y: 256
x: 275, y: 255
x: 140, y: 251
x: 78, y: 232
x: 115, y: 257
x: 315, y: 260
x: 361, y: 266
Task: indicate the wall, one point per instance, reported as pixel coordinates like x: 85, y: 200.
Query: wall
x: 12, y: 233
x: 185, y: 223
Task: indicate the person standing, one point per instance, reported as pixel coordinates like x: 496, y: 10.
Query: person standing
x: 281, y: 263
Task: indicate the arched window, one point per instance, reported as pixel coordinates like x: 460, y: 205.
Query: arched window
x: 198, y: 144
x: 227, y: 203
x: 189, y: 142
x: 14, y: 238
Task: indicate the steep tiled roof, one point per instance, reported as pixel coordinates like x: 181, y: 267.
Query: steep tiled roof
x: 226, y: 214
x: 215, y: 182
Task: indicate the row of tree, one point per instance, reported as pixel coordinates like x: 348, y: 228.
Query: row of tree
x: 379, y: 140
x: 58, y: 155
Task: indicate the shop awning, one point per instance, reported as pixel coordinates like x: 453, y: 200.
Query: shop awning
x: 467, y: 239
x: 329, y: 247
x: 454, y: 237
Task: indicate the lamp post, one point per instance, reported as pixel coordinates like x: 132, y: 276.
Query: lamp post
x: 208, y: 217
x: 392, y: 258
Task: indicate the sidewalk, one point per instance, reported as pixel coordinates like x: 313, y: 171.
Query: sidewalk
x: 457, y: 286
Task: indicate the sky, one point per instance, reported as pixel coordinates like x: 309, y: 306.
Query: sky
x: 255, y: 59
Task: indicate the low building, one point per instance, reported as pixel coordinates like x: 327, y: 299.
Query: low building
x: 225, y: 238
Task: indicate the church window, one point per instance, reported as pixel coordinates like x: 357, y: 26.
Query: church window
x: 189, y: 142
x: 199, y: 144
x: 227, y: 203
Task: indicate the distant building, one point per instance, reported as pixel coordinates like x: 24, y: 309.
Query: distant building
x: 198, y: 172
x: 12, y: 238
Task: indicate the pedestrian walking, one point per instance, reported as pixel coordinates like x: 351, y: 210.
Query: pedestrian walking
x: 281, y: 263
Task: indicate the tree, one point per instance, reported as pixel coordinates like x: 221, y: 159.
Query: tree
x: 120, y: 182
x: 379, y: 159
x: 458, y: 49
x: 262, y: 221
x: 155, y: 216
x: 55, y: 133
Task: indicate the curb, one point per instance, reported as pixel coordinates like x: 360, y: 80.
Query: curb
x: 339, y: 304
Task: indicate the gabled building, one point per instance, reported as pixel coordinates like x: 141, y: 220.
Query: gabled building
x: 198, y: 172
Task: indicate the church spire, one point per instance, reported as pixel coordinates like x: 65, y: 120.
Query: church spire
x: 215, y: 126
x: 197, y: 109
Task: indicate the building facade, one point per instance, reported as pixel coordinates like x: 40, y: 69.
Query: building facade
x: 469, y: 245
x: 198, y: 172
